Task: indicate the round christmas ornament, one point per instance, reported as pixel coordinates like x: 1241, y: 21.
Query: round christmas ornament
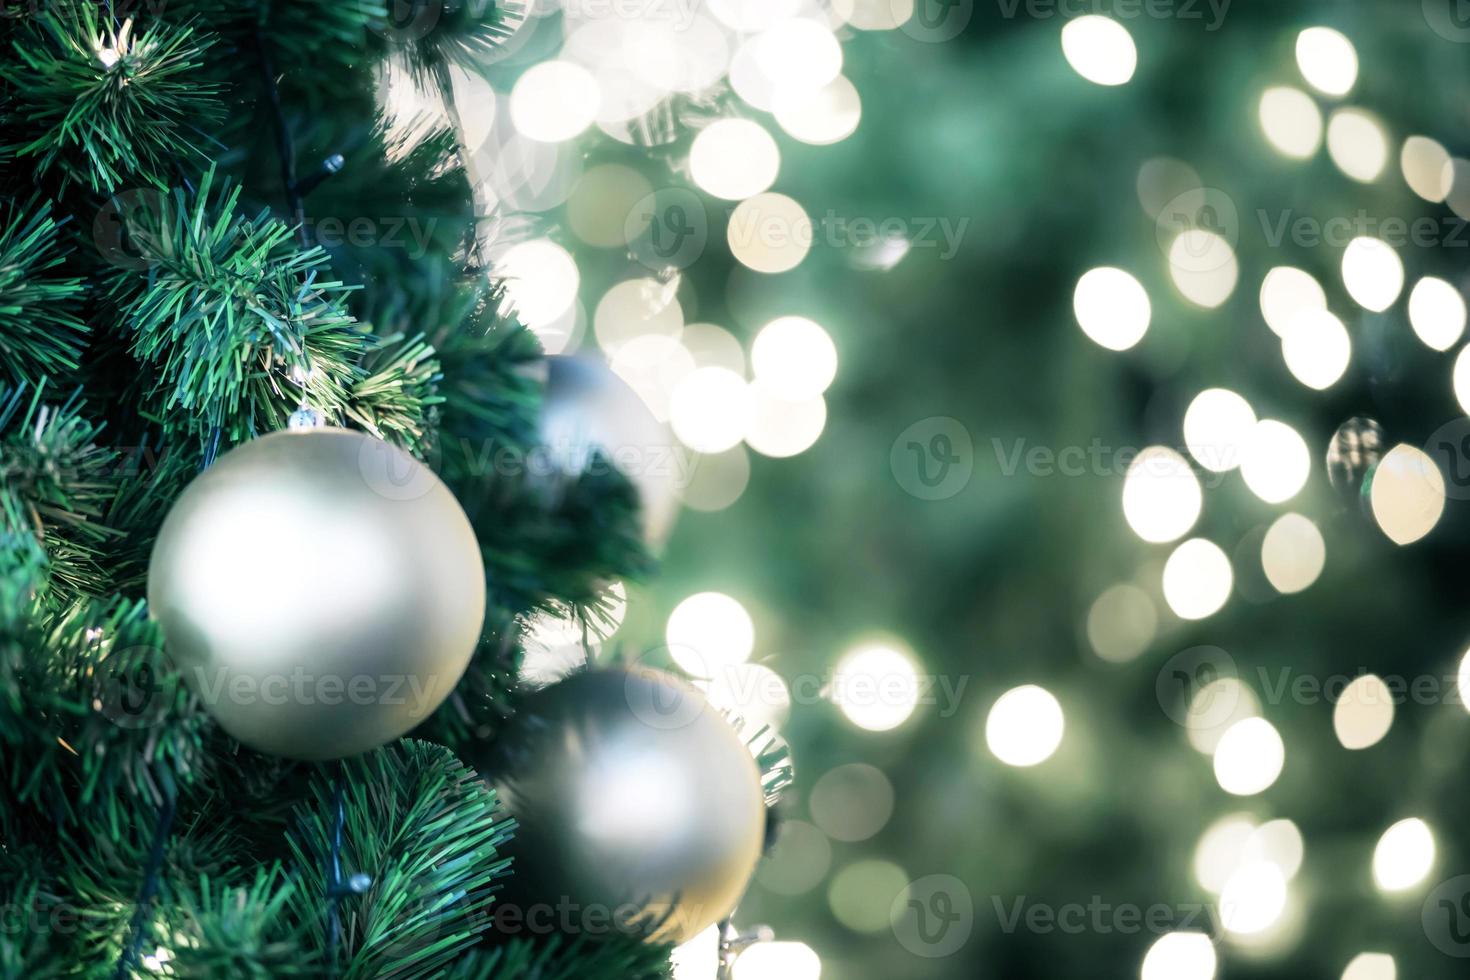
x: 586, y: 407
x: 320, y: 590
x: 639, y: 807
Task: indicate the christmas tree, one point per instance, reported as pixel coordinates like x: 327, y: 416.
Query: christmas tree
x: 248, y: 256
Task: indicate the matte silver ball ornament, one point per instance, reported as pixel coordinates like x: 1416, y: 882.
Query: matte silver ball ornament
x: 639, y: 807
x: 320, y: 590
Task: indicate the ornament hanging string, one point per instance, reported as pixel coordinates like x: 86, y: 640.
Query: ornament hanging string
x: 134, y: 944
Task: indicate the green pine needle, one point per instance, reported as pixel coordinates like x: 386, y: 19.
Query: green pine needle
x: 41, y: 333
x: 107, y: 102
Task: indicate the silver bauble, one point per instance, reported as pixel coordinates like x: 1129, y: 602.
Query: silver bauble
x: 586, y: 406
x: 320, y: 590
x: 639, y: 807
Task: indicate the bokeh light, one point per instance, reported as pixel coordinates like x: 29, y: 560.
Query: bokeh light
x: 1197, y: 579
x: 1371, y: 966
x: 861, y: 894
x: 717, y: 480
x: 636, y: 308
x: 1111, y: 307
x: 1373, y: 273
x: 554, y: 101
x: 1461, y: 379
x: 541, y: 281
x: 1099, y: 49
x: 852, y: 802
x: 1221, y: 850
x: 1217, y: 425
x: 782, y: 426
x: 1122, y: 623
x: 1276, y: 462
x: 1025, y: 726
x: 1293, y: 553
x: 713, y: 346
x: 798, y: 860
x: 1249, y: 758
x: 1358, y: 144
x: 1404, y: 855
x: 778, y: 961
x: 1291, y: 122
x: 769, y: 233
x: 1180, y: 956
x: 1407, y: 494
x: 1437, y: 313
x: 708, y: 632
x: 1426, y: 167
x: 1162, y: 497
x: 793, y: 357
x: 598, y: 209
x: 710, y: 410
x: 1316, y: 348
x: 1216, y: 707
x: 734, y: 159
x: 753, y: 692
x: 1203, y: 267
x: 820, y: 116
x: 1287, y: 292
x: 1253, y: 900
x: 876, y: 686
x: 1327, y: 59
x: 1364, y: 713
x: 1279, y: 842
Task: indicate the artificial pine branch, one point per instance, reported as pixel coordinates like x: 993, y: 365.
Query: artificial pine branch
x: 106, y: 101
x: 41, y: 333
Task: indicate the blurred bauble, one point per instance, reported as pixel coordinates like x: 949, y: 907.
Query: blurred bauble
x: 321, y: 591
x: 638, y: 804
x: 587, y: 407
x: 1355, y: 448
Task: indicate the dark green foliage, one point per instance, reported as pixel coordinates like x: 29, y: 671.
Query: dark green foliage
x: 236, y: 323
x: 425, y: 828
x: 106, y: 102
x: 560, y: 958
x: 41, y: 334
x: 249, y: 930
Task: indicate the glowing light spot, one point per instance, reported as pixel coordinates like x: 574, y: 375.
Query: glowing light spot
x: 653, y: 365
x: 1215, y: 708
x: 1358, y: 144
x: 1221, y: 850
x: 710, y: 410
x: 794, y: 357
x: 1203, y: 267
x: 717, y: 480
x: 1276, y: 462
x: 769, y: 233
x: 1249, y: 758
x: 754, y: 692
x: 1286, y: 293
x: 780, y: 426
x: 1371, y: 966
x: 1404, y: 855
x: 708, y: 632
x: 1253, y: 900
x: 1327, y: 59
x: 1426, y: 167
x: 1099, y: 49
x: 778, y: 961
x: 1111, y: 308
x: 797, y: 55
x: 1279, y: 842
x: 713, y: 346
x: 1407, y: 494
x: 1462, y: 380
x: 1217, y: 425
x: 876, y: 686
x: 1291, y: 122
x: 1364, y: 713
x: 541, y: 282
x: 1180, y: 956
x: 1161, y: 495
x: 752, y: 16
x: 637, y: 308
x: 734, y: 159
x: 820, y: 116
x: 1025, y: 726
x: 554, y: 101
x: 697, y: 958
x: 1197, y: 579
x: 861, y: 894
x: 1373, y: 273
x: 1122, y: 623
x: 1437, y: 313
x: 1317, y: 349
x: 598, y: 209
x: 852, y: 803
x: 797, y: 862
x: 1293, y: 553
